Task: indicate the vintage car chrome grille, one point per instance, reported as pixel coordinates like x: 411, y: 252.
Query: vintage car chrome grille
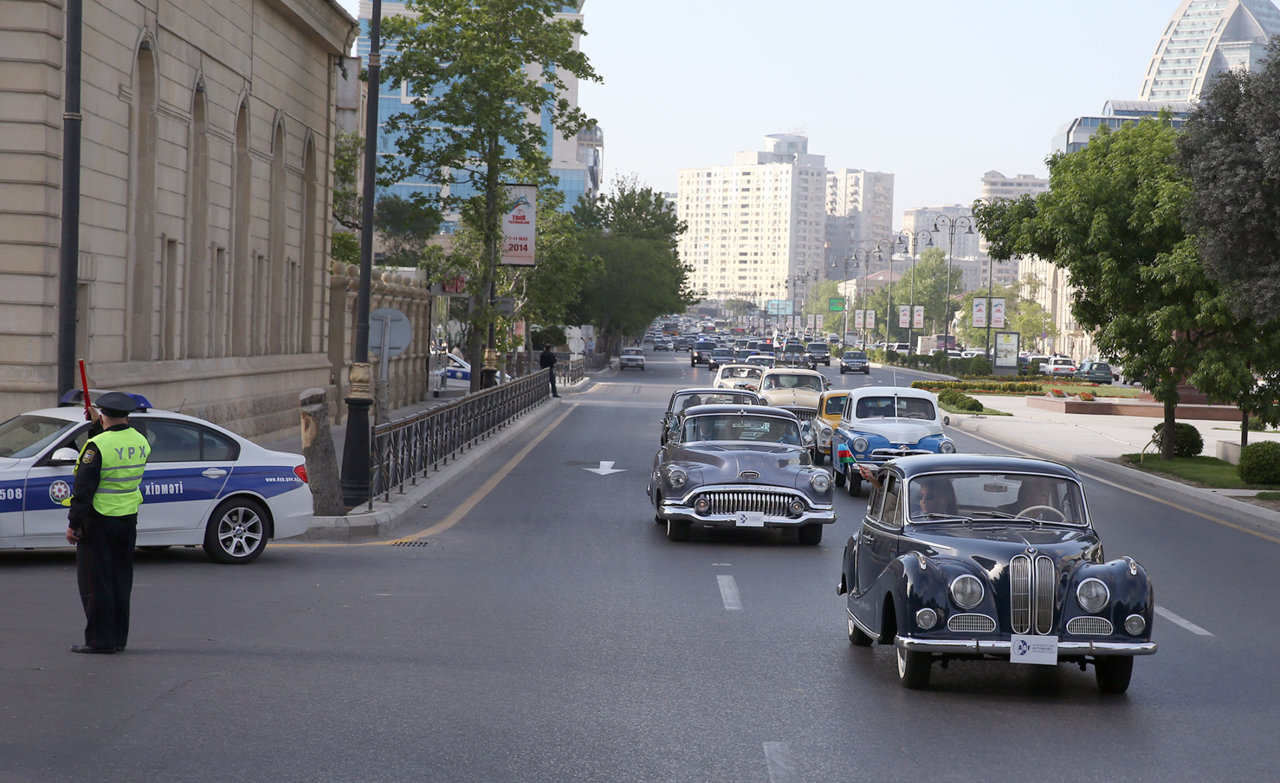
x: 732, y: 501
x: 883, y: 454
x: 1090, y: 626
x: 971, y: 623
x: 1031, y: 591
x: 802, y: 413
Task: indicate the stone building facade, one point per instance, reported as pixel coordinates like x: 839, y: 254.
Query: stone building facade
x: 208, y: 130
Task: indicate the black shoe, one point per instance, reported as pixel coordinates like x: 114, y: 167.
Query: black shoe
x: 81, y: 648
x: 557, y: 396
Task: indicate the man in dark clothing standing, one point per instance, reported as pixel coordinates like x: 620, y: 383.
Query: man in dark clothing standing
x: 548, y: 359
x: 103, y: 522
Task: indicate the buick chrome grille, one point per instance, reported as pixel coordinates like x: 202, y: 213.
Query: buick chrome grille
x: 1031, y: 594
x: 1090, y: 626
x: 802, y: 413
x: 732, y: 501
x: 971, y: 623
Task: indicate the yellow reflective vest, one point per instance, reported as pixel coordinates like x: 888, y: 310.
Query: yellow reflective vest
x: 124, y: 458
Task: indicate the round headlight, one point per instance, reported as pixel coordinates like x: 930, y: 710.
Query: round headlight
x: 676, y: 478
x: 1135, y: 624
x: 1092, y: 595
x: 859, y: 444
x: 947, y: 447
x: 820, y: 481
x: 824, y: 428
x: 702, y: 505
x: 796, y: 507
x: 926, y: 619
x: 966, y: 591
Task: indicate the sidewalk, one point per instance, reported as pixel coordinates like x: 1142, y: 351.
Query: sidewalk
x: 1093, y: 442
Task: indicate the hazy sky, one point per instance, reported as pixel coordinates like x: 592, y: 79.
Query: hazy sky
x: 935, y: 91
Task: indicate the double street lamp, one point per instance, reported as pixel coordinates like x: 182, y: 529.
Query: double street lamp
x: 863, y: 256
x: 910, y: 244
x: 950, y: 225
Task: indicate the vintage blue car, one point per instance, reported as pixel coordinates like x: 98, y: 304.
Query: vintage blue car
x: 981, y: 556
x: 739, y: 466
x: 880, y: 423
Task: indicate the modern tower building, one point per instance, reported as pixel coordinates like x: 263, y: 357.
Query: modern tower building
x: 859, y: 213
x: 1206, y: 37
x: 576, y: 161
x: 756, y: 228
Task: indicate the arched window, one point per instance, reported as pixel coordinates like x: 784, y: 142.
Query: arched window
x: 140, y: 311
x: 311, y: 266
x: 275, y: 300
x: 200, y: 308
x: 241, y: 265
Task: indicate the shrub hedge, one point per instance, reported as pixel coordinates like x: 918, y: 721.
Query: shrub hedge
x: 1260, y: 463
x: 1186, y: 439
x: 1003, y: 387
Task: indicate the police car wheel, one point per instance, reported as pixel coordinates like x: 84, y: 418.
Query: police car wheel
x: 237, y: 532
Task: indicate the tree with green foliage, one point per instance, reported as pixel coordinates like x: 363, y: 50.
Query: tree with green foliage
x: 633, y: 230
x: 1112, y: 219
x: 406, y: 229
x: 1024, y: 316
x: 1229, y: 152
x: 489, y: 71
x: 819, y: 303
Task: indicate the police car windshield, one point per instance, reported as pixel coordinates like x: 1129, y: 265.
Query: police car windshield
x: 25, y: 436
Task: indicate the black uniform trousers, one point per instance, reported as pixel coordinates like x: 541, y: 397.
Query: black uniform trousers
x: 104, y: 573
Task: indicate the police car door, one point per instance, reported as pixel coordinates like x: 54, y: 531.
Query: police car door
x: 186, y: 472
x: 46, y: 492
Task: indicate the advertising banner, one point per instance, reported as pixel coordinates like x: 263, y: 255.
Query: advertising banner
x: 857, y: 319
x: 979, y: 313
x: 871, y: 319
x: 997, y: 313
x: 904, y: 316
x: 519, y: 225
x: 918, y: 318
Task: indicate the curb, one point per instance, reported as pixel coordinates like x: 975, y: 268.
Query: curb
x: 1209, y: 501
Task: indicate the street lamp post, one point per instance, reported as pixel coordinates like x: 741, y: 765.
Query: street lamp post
x: 950, y: 224
x: 911, y: 244
x: 888, y: 321
x: 356, y: 464
x: 844, y: 333
x: 863, y: 256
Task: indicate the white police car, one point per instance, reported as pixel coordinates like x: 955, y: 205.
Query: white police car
x: 203, y: 485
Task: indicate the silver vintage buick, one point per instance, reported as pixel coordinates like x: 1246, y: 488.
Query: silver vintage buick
x: 739, y: 466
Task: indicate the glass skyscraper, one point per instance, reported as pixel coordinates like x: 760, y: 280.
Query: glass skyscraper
x: 1206, y: 37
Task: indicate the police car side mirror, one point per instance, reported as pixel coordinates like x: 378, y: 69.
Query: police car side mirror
x: 64, y: 456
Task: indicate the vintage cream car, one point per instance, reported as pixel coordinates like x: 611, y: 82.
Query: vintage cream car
x: 738, y: 376
x: 793, y: 389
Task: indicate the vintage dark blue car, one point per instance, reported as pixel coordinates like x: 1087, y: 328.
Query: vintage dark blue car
x: 981, y: 556
x: 739, y: 466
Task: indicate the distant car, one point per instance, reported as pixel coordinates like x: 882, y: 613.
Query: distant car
x: 883, y: 422
x: 631, y: 359
x: 719, y: 356
x: 738, y: 376
x: 203, y: 485
x: 739, y: 467
x: 662, y: 344
x: 701, y: 352
x: 459, y: 369
x: 1058, y: 367
x: 793, y: 355
x: 1095, y: 372
x: 681, y: 343
x: 760, y: 359
x: 704, y: 395
x: 991, y: 557
x: 819, y: 353
x: 855, y: 361
x: 830, y: 410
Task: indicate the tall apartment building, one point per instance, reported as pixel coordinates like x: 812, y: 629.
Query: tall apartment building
x: 577, y: 162
x: 996, y: 186
x: 859, y: 213
x: 1204, y: 38
x: 757, y: 225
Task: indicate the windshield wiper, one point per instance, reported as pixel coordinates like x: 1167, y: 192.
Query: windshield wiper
x: 938, y: 515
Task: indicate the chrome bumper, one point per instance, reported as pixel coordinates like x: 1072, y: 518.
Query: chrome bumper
x: 676, y: 511
x: 1000, y: 648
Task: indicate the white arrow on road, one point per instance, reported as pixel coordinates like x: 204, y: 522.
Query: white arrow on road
x: 605, y: 469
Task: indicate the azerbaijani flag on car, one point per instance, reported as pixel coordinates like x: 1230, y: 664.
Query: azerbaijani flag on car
x: 844, y: 455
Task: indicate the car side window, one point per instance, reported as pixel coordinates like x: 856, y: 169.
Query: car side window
x: 180, y: 441
x: 891, y: 512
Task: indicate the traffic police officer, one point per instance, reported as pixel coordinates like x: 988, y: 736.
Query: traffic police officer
x: 103, y: 522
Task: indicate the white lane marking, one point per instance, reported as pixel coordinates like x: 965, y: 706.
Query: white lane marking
x: 729, y: 592
x: 1176, y: 620
x: 778, y: 762
x: 606, y: 467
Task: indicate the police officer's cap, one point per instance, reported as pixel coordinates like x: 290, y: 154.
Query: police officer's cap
x: 116, y: 405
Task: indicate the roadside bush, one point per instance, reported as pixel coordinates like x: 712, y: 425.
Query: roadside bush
x: 959, y: 400
x: 546, y: 335
x: 1186, y: 439
x: 1260, y: 463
